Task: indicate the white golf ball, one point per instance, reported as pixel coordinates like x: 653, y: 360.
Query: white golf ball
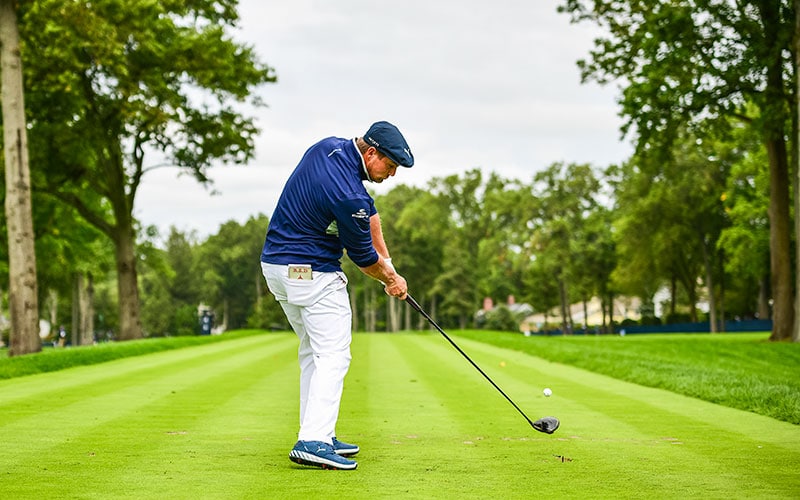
x: 547, y: 392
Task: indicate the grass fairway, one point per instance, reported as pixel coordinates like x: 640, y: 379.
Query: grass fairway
x: 218, y: 420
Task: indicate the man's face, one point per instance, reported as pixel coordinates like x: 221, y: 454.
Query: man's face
x: 379, y: 167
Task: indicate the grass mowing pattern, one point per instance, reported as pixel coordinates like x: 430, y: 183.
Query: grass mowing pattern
x: 740, y: 370
x: 59, y: 358
x: 218, y: 420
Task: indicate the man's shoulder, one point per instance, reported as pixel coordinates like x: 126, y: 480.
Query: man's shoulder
x: 331, y: 146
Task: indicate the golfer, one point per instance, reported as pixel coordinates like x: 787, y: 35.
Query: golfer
x: 323, y: 210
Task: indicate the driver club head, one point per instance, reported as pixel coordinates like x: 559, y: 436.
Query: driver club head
x: 548, y: 425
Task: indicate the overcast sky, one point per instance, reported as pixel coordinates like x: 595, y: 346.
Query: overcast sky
x: 470, y: 83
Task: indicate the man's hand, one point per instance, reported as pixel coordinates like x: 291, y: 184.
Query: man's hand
x: 383, y: 271
x: 397, y: 287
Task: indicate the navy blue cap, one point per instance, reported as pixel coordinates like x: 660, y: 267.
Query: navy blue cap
x: 387, y: 139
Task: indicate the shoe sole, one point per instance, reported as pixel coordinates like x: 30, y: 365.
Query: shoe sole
x: 303, y: 458
x: 347, y: 452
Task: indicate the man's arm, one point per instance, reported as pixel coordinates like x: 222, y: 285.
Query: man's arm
x: 383, y: 270
x: 377, y: 236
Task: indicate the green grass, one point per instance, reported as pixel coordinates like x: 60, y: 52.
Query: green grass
x: 217, y: 421
x: 740, y: 370
x: 53, y: 359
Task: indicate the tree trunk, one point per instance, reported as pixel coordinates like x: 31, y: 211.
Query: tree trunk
x: 369, y: 310
x: 130, y: 325
x: 22, y: 286
x: 691, y: 291
x: 226, y: 310
x: 52, y: 308
x: 422, y: 320
x: 780, y: 261
x: 763, y: 310
x: 86, y: 311
x: 2, y: 343
x: 779, y: 185
x: 77, y: 283
x: 562, y: 292
x: 673, y: 296
x: 365, y: 298
x: 604, y: 326
x: 260, y: 293
x: 354, y: 310
x: 610, y: 313
x: 585, y: 317
x: 393, y: 321
x: 712, y: 296
x: 796, y: 162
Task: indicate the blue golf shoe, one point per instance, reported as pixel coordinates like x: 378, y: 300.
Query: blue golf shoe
x: 345, y: 449
x: 319, y: 454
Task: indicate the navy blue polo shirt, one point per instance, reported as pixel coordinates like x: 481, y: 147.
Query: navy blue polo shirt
x: 324, y: 208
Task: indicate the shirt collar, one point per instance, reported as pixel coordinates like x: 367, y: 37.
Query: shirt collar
x: 364, y: 172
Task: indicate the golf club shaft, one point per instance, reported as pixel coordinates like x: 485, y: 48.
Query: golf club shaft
x: 413, y: 303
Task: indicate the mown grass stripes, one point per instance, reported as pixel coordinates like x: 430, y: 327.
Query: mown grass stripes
x: 217, y: 422
x: 130, y: 425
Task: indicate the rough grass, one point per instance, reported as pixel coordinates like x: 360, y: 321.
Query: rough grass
x: 741, y: 370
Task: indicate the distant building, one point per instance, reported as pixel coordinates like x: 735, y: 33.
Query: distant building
x: 624, y: 308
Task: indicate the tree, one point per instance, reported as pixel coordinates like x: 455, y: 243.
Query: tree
x: 595, y: 258
x: 77, y: 254
x: 171, y: 284
x: 700, y: 63
x: 118, y: 81
x: 464, y: 277
x: 796, y: 103
x: 23, y: 290
x: 228, y: 264
x: 565, y: 197
x: 669, y: 219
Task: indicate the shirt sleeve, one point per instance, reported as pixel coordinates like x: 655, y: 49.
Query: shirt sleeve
x: 352, y: 219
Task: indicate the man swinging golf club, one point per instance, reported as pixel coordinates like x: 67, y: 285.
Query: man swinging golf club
x: 325, y: 208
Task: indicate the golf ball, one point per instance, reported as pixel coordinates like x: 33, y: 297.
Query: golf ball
x: 547, y: 392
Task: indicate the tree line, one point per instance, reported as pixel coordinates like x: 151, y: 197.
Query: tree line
x: 708, y: 92
x: 572, y: 232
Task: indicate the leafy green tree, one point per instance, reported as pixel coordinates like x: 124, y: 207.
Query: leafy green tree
x: 155, y: 278
x: 500, y: 250
x: 228, y: 263
x: 412, y: 221
x: 77, y: 254
x: 181, y: 255
x: 542, y: 291
x: 464, y: 277
x: 114, y: 82
x: 595, y: 258
x: 171, y: 287
x: 669, y: 220
x: 746, y: 240
x: 565, y: 196
x: 423, y: 227
x: 699, y: 64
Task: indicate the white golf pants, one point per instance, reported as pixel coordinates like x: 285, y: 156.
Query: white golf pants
x: 319, y: 312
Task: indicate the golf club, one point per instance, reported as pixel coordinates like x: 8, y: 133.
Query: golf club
x: 547, y: 425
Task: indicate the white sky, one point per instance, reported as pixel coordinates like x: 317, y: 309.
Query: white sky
x: 470, y: 84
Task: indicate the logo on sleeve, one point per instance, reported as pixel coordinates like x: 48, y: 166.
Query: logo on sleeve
x: 361, y: 214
